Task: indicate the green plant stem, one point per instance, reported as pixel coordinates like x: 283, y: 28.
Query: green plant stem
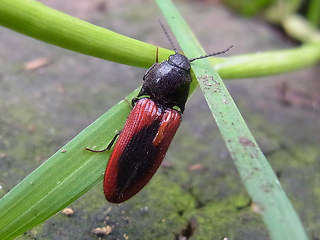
x: 46, y: 24
x: 313, y: 13
x: 267, y: 63
x: 300, y: 29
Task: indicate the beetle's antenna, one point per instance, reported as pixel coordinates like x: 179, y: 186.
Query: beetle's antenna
x: 211, y: 54
x: 168, y: 37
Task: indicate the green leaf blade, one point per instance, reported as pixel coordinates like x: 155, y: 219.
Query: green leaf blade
x: 64, y: 177
x: 255, y: 171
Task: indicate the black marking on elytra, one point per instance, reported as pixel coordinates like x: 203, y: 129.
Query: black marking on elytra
x: 138, y: 157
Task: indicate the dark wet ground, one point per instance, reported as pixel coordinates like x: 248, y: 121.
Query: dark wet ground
x: 197, y: 192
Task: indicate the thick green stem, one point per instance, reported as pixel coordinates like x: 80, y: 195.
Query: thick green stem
x: 268, y: 63
x: 46, y: 24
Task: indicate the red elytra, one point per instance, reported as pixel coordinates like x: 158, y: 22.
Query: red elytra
x: 140, y: 149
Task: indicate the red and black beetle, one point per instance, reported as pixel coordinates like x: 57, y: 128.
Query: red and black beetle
x: 150, y: 127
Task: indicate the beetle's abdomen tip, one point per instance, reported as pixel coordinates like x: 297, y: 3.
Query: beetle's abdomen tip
x: 116, y: 198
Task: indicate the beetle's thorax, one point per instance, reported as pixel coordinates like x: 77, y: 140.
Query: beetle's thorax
x: 168, y: 83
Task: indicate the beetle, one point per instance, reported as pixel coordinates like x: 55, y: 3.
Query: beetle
x: 150, y: 127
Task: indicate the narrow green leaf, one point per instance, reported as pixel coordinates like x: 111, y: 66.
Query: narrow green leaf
x: 64, y: 177
x: 255, y: 171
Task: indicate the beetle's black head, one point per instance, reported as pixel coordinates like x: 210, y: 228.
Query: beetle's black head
x: 180, y: 61
x: 168, y: 83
